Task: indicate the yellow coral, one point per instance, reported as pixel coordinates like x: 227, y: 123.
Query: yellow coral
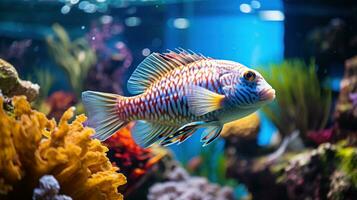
x: 247, y: 127
x: 78, y: 162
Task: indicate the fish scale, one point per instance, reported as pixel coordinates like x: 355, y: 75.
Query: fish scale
x: 201, y: 75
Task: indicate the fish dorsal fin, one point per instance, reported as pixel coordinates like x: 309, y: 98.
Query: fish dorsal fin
x: 156, y: 66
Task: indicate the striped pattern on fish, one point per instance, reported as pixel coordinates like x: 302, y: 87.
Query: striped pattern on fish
x: 178, y: 93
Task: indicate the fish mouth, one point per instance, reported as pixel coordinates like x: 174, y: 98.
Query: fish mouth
x: 267, y: 94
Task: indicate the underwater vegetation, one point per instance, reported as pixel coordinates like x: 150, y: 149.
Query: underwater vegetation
x: 328, y: 172
x: 296, y: 107
x: 181, y: 186
x: 33, y: 146
x: 75, y: 57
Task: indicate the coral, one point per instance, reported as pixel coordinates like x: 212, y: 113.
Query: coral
x: 181, y: 186
x: 78, y: 162
x: 48, y: 190
x: 11, y: 84
x: 247, y: 127
x: 114, y: 58
x: 346, y: 107
x: 134, y: 161
x: 328, y: 172
x: 59, y: 102
x: 75, y: 57
x: 298, y: 91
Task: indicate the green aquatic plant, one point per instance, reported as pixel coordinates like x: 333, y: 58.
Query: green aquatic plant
x: 301, y: 102
x: 75, y: 57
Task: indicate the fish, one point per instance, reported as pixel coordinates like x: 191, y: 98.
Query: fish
x: 177, y: 94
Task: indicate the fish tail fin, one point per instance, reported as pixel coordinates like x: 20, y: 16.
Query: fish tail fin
x: 101, y: 109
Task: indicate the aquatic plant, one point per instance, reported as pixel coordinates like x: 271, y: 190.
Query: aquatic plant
x: 48, y: 189
x: 75, y: 57
x: 182, y: 186
x: 68, y: 152
x: 328, y: 172
x: 301, y: 103
x: 134, y: 161
x: 11, y: 84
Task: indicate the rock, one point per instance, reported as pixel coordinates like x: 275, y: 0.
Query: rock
x: 11, y: 85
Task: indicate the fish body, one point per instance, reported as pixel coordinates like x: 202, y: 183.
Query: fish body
x: 177, y: 94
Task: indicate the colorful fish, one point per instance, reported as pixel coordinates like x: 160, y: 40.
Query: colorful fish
x: 177, y: 94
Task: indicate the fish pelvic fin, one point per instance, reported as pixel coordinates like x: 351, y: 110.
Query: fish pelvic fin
x: 157, y: 65
x: 101, y: 109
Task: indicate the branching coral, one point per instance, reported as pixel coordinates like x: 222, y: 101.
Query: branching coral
x: 301, y: 103
x: 78, y: 162
x: 75, y: 57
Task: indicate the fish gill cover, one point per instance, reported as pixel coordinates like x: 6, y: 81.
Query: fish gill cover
x: 78, y: 162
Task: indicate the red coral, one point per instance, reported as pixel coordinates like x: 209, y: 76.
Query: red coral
x: 133, y: 160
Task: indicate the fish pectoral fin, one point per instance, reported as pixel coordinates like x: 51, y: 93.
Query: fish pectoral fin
x: 202, y: 101
x: 211, y: 132
x: 147, y: 133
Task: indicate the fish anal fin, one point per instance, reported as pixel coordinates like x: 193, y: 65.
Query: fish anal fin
x: 147, y: 133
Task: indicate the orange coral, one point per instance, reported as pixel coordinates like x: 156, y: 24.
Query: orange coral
x: 78, y: 162
x: 133, y: 160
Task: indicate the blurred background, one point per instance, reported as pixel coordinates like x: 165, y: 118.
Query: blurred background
x: 303, y: 146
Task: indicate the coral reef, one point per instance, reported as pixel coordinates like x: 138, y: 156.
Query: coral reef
x: 181, y: 186
x: 48, y: 190
x: 346, y: 108
x: 328, y: 172
x: 75, y: 57
x: 11, y: 84
x: 134, y: 161
x: 298, y: 90
x: 78, y: 162
x: 114, y: 58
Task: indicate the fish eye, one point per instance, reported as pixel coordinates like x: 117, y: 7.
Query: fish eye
x: 249, y: 76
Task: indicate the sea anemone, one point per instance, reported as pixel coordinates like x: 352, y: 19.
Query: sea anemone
x: 68, y: 152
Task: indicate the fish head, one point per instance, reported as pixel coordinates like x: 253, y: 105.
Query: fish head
x: 247, y: 88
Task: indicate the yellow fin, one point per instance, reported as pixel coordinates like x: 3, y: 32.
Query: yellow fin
x: 202, y: 101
